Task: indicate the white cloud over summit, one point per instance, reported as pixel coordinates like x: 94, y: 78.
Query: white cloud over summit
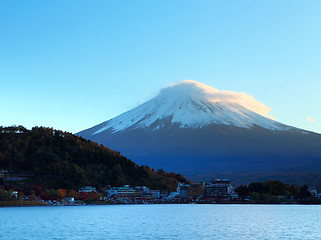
x: 205, y: 92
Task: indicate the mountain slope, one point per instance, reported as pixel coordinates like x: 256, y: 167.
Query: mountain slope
x: 192, y: 105
x: 200, y: 132
x: 60, y: 159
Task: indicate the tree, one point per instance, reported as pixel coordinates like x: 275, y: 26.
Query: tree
x: 32, y: 195
x: 20, y: 195
x: 44, y: 196
x: 83, y: 196
x: 94, y: 196
x: 52, y: 194
x: 256, y: 187
x: 73, y: 194
x: 254, y: 196
x: 242, y: 191
x: 4, y: 194
x: 59, y: 159
x: 61, y: 193
x: 304, y: 193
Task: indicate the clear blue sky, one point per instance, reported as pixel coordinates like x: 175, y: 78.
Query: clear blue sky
x: 73, y: 64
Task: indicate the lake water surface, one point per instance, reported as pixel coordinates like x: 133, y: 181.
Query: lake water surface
x: 162, y: 222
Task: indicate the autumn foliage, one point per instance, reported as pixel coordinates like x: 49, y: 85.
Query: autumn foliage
x: 62, y: 160
x: 61, y: 193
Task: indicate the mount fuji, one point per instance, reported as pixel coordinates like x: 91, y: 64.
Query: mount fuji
x: 202, y: 132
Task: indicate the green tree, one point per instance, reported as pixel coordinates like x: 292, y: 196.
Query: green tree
x: 242, y: 191
x: 51, y: 193
x: 4, y: 195
x: 304, y: 194
x: 254, y: 197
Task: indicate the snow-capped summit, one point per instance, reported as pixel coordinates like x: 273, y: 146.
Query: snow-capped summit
x: 202, y: 132
x: 190, y: 104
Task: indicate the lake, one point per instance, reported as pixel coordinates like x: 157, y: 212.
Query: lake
x: 162, y: 222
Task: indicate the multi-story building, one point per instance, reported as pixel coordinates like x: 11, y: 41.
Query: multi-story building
x: 122, y: 192
x: 143, y: 190
x: 155, y: 193
x: 218, y: 188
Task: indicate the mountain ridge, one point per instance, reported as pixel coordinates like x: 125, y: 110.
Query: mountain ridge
x: 192, y: 104
x: 227, y: 135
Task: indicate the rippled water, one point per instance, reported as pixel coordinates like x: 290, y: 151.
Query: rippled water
x: 162, y: 222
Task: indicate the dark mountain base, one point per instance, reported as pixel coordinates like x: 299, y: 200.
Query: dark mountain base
x: 243, y: 155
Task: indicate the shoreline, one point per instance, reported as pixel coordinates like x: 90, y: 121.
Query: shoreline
x: 43, y: 204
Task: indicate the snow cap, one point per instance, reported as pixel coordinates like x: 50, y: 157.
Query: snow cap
x: 202, y: 92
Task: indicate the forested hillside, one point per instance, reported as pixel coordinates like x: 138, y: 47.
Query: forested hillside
x: 62, y: 160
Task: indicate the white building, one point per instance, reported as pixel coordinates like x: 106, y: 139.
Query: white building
x: 182, y: 190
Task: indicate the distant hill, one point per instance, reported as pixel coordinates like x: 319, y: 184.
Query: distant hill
x: 203, y: 132
x: 62, y: 160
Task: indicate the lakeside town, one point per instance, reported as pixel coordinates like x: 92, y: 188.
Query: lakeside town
x: 216, y: 191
